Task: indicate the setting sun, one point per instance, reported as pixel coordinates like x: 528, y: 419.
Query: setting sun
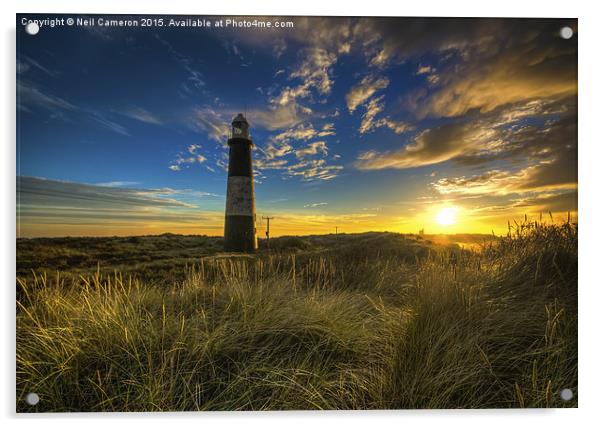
x: 446, y: 216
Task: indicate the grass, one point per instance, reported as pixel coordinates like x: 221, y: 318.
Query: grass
x: 369, y: 321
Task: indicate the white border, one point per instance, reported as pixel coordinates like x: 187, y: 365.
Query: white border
x: 590, y: 212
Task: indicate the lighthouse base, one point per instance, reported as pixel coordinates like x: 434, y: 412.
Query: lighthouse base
x: 239, y: 234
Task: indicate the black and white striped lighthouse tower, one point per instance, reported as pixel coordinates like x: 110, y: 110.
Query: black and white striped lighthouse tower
x: 239, y: 233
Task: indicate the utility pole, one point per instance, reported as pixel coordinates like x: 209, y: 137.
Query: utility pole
x: 336, y: 231
x: 267, y: 232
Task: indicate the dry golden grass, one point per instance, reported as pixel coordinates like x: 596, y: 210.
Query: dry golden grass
x: 365, y: 326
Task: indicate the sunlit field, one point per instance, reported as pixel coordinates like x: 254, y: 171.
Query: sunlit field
x: 362, y: 321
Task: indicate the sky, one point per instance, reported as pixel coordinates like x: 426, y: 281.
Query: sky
x: 365, y: 124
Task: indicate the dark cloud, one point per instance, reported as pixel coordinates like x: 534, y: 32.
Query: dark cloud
x: 429, y: 147
x: 484, y: 64
x: 560, y: 171
x: 534, y: 130
x: 33, y: 191
x: 530, y: 132
x: 562, y: 202
x: 549, y: 163
x: 554, y: 175
x: 78, y: 208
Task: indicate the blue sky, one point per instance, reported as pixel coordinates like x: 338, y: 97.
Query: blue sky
x: 364, y: 124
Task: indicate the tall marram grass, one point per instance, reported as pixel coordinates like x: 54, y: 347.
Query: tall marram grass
x: 361, y: 329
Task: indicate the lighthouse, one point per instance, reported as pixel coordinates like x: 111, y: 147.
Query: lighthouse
x: 239, y: 233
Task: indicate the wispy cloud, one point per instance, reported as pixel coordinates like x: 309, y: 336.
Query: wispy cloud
x: 312, y: 149
x: 31, y: 97
x: 192, y: 148
x: 142, y: 115
x: 51, y: 207
x: 263, y: 164
x: 397, y: 126
x: 430, y: 72
x: 117, y: 184
x: 374, y: 107
x: 214, y: 123
x: 276, y: 149
x: 279, y: 47
x: 187, y: 158
x: 275, y: 117
x: 313, y: 72
x: 304, y: 132
x: 194, y: 77
x: 364, y: 95
x: 369, y: 121
x: 424, y: 69
x: 107, y: 123
x: 314, y: 169
x: 26, y: 64
x: 289, y: 152
x: 363, y: 91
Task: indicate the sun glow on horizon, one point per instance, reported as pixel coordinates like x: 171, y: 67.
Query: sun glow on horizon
x: 447, y: 216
